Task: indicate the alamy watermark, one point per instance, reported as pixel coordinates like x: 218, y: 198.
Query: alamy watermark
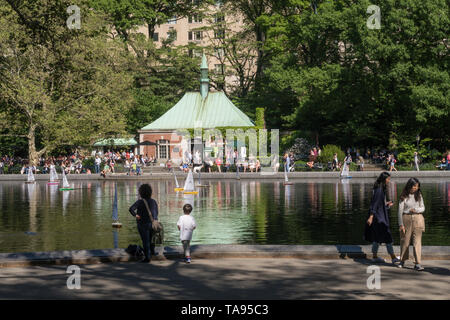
x: 74, y: 280
x: 239, y: 147
x: 374, y: 280
x: 74, y: 20
x: 374, y: 21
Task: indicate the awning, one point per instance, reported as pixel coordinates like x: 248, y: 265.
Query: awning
x: 115, y: 142
x: 147, y: 143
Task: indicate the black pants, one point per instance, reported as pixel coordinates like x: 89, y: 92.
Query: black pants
x: 146, y: 232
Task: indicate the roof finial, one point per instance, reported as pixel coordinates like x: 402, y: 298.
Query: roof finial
x: 204, y: 81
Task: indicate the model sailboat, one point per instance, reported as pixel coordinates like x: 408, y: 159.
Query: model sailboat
x: 189, y: 184
x: 53, y: 176
x: 115, y: 211
x: 286, y: 180
x: 345, y: 171
x: 66, y: 185
x: 30, y: 178
x: 176, y: 183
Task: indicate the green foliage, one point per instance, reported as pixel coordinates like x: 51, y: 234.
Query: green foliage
x: 352, y: 85
x: 328, y: 152
x: 259, y: 121
x: 406, y: 155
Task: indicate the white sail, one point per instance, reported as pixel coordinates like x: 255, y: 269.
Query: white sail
x: 345, y: 170
x: 176, y: 180
x: 53, y: 174
x: 65, y: 182
x: 189, y: 184
x: 30, y: 175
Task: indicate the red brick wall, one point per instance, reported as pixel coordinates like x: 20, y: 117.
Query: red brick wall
x: 155, y: 137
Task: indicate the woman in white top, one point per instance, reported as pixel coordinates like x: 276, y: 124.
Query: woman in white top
x: 411, y: 222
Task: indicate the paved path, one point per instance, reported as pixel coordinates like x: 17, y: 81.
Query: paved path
x: 229, y: 278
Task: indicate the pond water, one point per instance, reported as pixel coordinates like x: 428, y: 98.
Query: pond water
x: 39, y: 217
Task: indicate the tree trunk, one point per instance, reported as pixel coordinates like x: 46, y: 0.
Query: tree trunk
x: 260, y: 39
x: 33, y: 156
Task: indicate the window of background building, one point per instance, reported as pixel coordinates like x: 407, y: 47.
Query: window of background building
x: 156, y: 36
x: 163, y: 149
x: 219, y: 68
x: 172, y: 34
x: 219, y: 17
x: 219, y: 52
x: 195, y: 53
x: 172, y: 20
x: 197, y: 18
x: 219, y: 34
x: 195, y: 35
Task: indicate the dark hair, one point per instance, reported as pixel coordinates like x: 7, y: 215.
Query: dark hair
x: 381, y: 180
x: 407, y: 190
x: 187, y: 208
x: 145, y: 191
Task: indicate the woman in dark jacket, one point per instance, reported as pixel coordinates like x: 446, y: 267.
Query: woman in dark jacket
x: 377, y: 227
x: 144, y: 223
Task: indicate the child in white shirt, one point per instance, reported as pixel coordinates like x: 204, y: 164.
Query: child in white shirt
x: 186, y: 225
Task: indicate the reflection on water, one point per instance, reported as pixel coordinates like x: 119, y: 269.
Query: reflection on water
x: 39, y: 217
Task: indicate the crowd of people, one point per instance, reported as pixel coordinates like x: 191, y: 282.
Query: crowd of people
x: 104, y: 163
x: 233, y: 161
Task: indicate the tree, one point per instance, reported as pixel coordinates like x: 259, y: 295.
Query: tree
x: 352, y: 85
x: 60, y: 86
x: 235, y: 48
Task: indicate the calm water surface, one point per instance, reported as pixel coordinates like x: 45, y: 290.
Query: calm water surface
x: 41, y: 218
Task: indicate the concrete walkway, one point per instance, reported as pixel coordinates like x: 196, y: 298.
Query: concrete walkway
x: 232, y: 278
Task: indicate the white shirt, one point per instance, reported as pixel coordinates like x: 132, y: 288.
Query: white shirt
x: 187, y: 224
x: 406, y: 205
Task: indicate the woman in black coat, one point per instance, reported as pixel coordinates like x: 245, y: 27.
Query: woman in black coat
x: 377, y: 227
x: 144, y: 223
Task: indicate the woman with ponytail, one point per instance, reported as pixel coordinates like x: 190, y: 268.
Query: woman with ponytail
x: 377, y: 227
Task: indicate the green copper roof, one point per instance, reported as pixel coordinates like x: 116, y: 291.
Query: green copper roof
x: 115, y: 142
x: 215, y: 111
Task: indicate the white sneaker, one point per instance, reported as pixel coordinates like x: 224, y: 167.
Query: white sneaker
x: 396, y: 260
x: 401, y: 264
x: 418, y: 267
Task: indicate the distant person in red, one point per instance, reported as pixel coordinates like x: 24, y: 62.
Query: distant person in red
x: 448, y: 160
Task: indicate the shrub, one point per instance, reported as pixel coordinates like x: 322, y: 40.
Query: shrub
x: 328, y: 152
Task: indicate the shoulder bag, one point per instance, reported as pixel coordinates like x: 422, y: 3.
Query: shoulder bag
x: 156, y: 226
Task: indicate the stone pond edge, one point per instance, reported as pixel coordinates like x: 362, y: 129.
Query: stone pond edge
x: 308, y: 252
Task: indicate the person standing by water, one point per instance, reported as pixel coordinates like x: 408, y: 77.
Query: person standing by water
x: 186, y: 224
x: 377, y: 227
x: 144, y: 223
x: 287, y: 163
x: 411, y: 222
x: 97, y: 163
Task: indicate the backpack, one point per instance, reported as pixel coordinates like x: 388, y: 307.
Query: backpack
x: 135, y: 250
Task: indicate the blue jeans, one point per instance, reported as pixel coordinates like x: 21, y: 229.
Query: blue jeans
x: 146, y: 232
x: 389, y: 248
x: 97, y: 168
